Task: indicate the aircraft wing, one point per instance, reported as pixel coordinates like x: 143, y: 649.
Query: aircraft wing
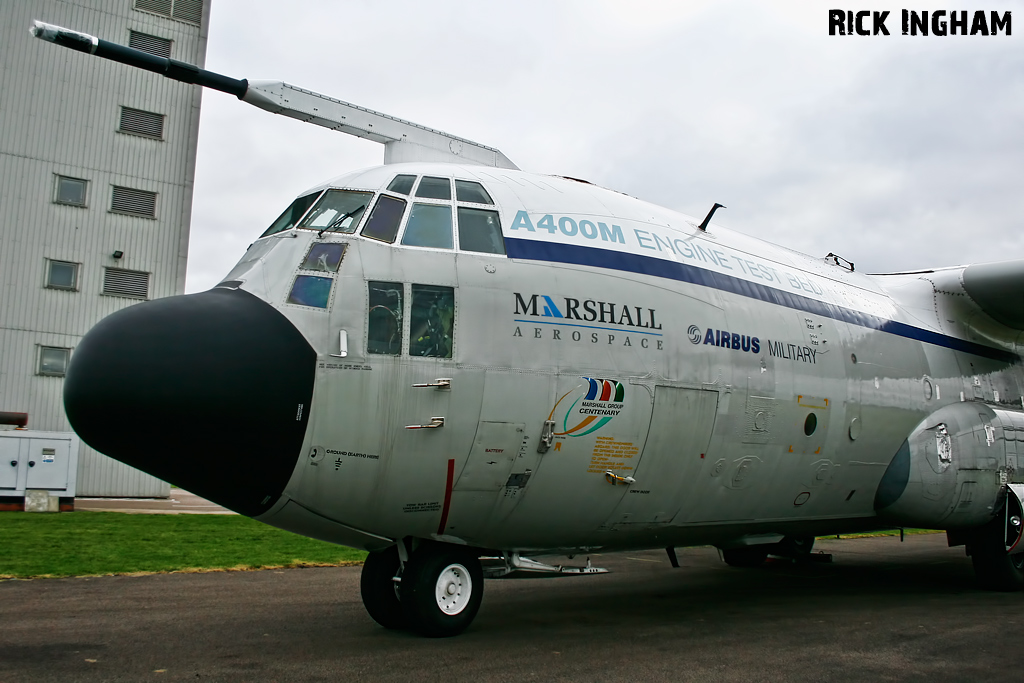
x: 402, y: 140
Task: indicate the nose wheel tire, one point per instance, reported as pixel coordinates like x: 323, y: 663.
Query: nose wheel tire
x: 994, y: 568
x: 380, y: 591
x: 442, y: 588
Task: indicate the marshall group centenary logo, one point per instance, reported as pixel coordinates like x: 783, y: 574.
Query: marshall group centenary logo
x: 593, y: 406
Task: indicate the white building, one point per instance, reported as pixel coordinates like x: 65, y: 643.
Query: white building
x: 97, y: 162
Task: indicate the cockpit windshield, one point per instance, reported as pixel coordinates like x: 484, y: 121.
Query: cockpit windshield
x: 337, y: 211
x: 291, y: 215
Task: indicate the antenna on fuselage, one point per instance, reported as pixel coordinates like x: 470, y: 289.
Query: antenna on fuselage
x: 707, y: 219
x: 402, y: 140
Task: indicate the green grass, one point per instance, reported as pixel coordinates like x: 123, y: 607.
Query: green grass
x: 87, y: 543
x: 885, y: 532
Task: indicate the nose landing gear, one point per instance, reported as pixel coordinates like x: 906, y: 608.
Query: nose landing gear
x: 380, y: 587
x: 437, y: 593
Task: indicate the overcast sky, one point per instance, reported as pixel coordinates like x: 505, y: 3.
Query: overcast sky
x: 896, y: 152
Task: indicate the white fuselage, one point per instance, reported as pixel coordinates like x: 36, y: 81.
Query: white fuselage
x: 698, y: 387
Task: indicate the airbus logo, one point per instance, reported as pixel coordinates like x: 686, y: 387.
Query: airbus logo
x: 724, y: 339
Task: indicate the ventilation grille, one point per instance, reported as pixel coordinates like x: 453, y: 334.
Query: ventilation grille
x: 133, y: 202
x: 183, y: 10
x: 189, y: 10
x: 161, y: 47
x: 145, y: 123
x: 130, y: 283
x: 155, y: 6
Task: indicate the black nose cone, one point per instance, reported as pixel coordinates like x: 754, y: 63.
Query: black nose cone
x: 210, y: 392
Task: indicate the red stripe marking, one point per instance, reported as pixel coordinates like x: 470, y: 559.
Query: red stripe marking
x: 606, y: 393
x: 447, y: 497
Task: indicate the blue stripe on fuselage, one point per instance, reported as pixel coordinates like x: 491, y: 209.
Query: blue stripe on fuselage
x: 682, y: 272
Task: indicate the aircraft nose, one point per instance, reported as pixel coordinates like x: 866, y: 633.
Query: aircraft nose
x: 210, y: 392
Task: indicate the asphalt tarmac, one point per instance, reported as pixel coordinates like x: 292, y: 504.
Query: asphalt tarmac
x: 882, y: 611
x: 180, y: 502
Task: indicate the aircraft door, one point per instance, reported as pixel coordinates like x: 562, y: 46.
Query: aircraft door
x: 439, y: 405
x: 666, y: 476
x: 48, y: 461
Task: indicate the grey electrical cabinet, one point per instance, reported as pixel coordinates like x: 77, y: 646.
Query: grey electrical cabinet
x: 38, y: 470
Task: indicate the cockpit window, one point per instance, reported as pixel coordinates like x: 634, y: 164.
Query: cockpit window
x: 402, y: 184
x: 480, y: 231
x: 337, y: 211
x: 384, y: 326
x: 432, y: 321
x: 384, y: 219
x: 430, y: 225
x: 311, y: 290
x: 291, y: 215
x: 325, y: 256
x: 469, y: 191
x: 434, y: 188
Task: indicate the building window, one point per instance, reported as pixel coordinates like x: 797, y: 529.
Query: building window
x: 53, y: 361
x: 132, y: 202
x: 154, y: 45
x: 130, y: 283
x: 71, y: 191
x: 190, y: 11
x: 145, y: 123
x: 61, y: 275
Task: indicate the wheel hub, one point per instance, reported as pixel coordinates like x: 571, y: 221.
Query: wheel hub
x: 453, y: 589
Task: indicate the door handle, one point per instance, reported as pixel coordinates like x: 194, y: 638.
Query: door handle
x: 440, y: 383
x: 615, y: 479
x: 435, y: 422
x: 342, y: 345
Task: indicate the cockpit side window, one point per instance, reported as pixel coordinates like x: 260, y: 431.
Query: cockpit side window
x: 434, y: 188
x: 469, y: 191
x: 384, y: 219
x: 384, y: 324
x: 402, y: 184
x: 337, y: 211
x: 432, y: 321
x: 480, y: 231
x: 291, y: 215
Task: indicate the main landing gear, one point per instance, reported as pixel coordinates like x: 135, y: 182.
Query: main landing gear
x: 797, y: 548
x: 437, y: 594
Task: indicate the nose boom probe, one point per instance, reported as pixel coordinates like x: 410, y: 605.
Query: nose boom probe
x: 403, y: 140
x: 171, y: 68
